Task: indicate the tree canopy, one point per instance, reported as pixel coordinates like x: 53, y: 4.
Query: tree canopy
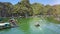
x: 24, y: 8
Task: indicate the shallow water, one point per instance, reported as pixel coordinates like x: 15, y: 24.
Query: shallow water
x: 28, y: 27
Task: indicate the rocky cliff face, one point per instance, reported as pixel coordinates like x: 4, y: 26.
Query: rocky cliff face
x: 5, y: 7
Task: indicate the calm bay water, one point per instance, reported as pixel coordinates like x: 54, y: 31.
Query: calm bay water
x: 27, y: 26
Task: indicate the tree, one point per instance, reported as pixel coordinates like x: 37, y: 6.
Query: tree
x: 23, y: 8
x: 37, y: 8
x: 5, y: 8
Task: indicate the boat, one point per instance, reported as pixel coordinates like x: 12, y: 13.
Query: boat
x: 4, y: 25
x: 10, y: 24
x: 37, y: 25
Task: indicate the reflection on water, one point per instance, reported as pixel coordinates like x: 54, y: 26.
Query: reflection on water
x: 28, y: 27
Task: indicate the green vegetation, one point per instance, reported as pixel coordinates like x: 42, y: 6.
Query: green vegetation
x: 52, y: 20
x: 25, y: 9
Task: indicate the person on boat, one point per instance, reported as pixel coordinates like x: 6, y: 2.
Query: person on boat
x: 13, y: 22
x: 37, y: 25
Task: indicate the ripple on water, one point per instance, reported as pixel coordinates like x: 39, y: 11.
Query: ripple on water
x: 44, y: 28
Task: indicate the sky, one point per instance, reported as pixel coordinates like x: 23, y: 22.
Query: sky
x: 45, y: 2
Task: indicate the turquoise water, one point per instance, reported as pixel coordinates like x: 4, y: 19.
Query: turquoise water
x: 27, y: 26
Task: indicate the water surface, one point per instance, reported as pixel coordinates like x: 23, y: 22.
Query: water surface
x: 27, y: 26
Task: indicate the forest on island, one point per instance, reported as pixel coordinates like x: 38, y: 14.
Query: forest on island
x: 25, y: 8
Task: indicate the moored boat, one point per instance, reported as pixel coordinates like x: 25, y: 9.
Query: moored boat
x: 10, y: 24
x: 4, y: 25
